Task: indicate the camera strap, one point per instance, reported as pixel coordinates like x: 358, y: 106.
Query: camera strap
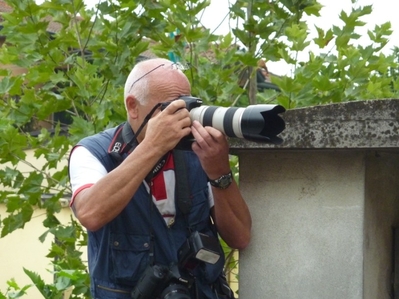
x: 182, y: 190
x: 125, y: 139
x: 122, y: 143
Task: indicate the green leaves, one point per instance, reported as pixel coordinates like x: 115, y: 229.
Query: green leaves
x: 323, y: 39
x: 12, y: 145
x: 17, y: 220
x: 14, y: 291
x: 346, y: 71
x: 65, y: 279
x: 298, y: 35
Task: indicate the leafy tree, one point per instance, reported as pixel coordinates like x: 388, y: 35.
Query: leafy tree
x: 79, y: 71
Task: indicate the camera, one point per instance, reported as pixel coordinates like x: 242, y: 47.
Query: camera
x: 174, y: 281
x: 259, y: 123
x: 163, y: 281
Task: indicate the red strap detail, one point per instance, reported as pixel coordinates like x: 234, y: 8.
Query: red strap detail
x: 158, y: 182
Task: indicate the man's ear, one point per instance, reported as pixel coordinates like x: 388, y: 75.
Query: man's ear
x: 132, y: 106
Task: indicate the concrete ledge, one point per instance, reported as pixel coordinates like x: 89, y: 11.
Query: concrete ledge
x: 359, y: 124
x: 323, y: 204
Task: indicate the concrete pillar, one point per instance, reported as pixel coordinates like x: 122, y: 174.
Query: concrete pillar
x: 324, y: 204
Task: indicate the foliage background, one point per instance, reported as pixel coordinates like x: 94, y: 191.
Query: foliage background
x: 80, y: 70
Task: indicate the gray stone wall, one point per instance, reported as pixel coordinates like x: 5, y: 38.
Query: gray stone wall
x: 381, y: 217
x: 361, y: 124
x: 324, y: 204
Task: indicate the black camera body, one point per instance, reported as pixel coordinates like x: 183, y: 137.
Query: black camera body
x: 191, y: 102
x: 174, y: 281
x: 159, y: 280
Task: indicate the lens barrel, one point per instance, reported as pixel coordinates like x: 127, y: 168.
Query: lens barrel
x: 176, y: 291
x: 260, y: 123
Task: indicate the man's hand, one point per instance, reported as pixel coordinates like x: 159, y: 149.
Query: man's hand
x: 230, y: 212
x: 212, y: 149
x: 169, y: 126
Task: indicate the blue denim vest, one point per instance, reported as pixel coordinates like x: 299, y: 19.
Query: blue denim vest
x: 118, y: 253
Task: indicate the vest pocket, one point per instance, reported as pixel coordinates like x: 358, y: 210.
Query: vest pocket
x: 106, y: 292
x: 129, y: 257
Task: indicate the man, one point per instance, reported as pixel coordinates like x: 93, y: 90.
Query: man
x: 123, y: 182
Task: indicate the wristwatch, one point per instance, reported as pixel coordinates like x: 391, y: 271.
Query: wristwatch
x: 223, y: 182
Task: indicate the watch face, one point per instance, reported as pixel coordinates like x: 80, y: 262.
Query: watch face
x: 223, y: 182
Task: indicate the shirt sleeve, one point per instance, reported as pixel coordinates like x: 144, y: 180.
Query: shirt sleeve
x: 210, y: 196
x: 84, y: 170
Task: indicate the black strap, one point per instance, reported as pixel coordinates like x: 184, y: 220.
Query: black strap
x: 182, y: 189
x: 122, y: 143
x: 125, y: 139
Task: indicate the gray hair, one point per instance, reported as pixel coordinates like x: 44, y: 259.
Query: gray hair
x: 139, y: 91
x: 142, y: 71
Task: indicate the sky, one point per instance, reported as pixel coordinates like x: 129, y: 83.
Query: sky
x: 383, y: 11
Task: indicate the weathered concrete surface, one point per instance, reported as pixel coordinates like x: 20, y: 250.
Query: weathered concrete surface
x: 307, y: 212
x: 323, y: 204
x: 359, y: 124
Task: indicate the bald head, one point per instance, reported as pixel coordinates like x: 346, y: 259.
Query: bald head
x: 149, y: 83
x: 150, y: 77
